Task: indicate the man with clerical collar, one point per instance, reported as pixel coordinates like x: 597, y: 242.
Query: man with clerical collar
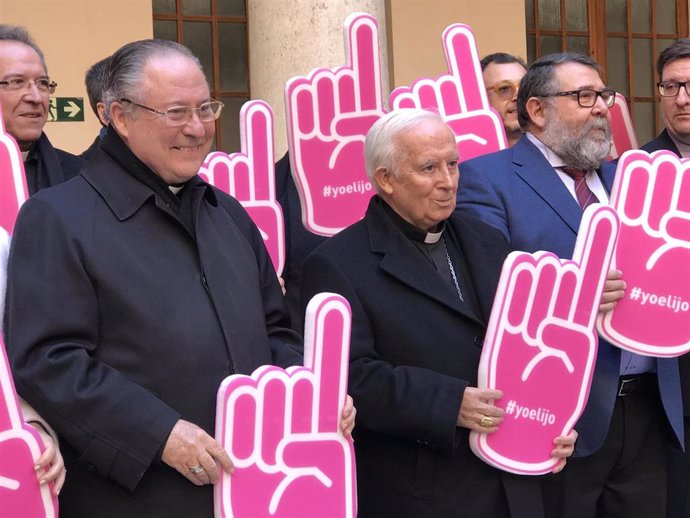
x: 535, y: 193
x: 25, y: 90
x: 151, y: 287
x: 421, y: 281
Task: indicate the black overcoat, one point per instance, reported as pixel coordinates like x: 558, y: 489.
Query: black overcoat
x: 121, y: 321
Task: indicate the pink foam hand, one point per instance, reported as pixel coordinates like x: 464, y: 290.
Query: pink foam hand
x: 21, y: 495
x: 13, y: 190
x: 281, y: 429
x: 459, y: 96
x: 541, y: 346
x: 622, y: 130
x: 329, y: 113
x: 651, y: 193
x: 249, y: 176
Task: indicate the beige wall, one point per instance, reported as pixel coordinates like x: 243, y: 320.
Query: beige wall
x: 73, y: 35
x: 416, y: 26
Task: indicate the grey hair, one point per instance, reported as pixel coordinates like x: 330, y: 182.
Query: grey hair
x: 540, y: 79
x: 21, y: 35
x: 124, y: 73
x: 380, y: 146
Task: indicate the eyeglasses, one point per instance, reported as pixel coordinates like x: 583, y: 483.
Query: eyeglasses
x: 587, y: 98
x: 43, y: 85
x: 672, y: 88
x: 180, y: 115
x: 504, y: 89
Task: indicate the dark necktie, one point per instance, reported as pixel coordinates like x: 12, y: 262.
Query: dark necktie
x: 584, y: 196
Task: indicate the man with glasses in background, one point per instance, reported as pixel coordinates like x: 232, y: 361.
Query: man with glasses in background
x: 25, y: 90
x: 673, y: 70
x: 535, y: 193
x: 502, y: 73
x: 152, y: 288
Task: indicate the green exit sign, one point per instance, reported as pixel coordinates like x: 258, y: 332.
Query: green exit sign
x: 66, y: 109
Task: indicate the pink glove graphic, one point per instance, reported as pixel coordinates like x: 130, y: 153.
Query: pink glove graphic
x: 652, y: 196
x: 328, y: 115
x: 13, y: 190
x: 21, y: 495
x: 459, y: 96
x: 622, y: 129
x: 249, y: 176
x: 281, y: 429
x: 541, y: 346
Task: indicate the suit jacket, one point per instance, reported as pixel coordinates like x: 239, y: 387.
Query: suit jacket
x: 517, y: 191
x: 47, y: 166
x: 415, y: 348
x: 663, y: 141
x: 121, y: 321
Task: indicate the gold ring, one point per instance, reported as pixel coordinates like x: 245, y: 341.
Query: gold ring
x: 486, y: 422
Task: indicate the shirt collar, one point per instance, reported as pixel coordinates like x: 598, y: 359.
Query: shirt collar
x: 409, y: 230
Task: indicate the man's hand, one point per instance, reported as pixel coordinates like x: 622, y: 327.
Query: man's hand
x: 477, y: 404
x: 614, y: 290
x: 50, y: 466
x: 195, y: 454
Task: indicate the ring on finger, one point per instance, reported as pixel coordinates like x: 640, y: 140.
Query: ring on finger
x: 486, y: 422
x: 196, y: 470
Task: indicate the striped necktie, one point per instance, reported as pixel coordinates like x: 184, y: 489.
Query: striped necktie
x: 584, y: 196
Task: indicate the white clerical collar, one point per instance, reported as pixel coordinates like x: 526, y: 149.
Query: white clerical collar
x: 175, y: 189
x: 433, y: 237
x: 25, y: 154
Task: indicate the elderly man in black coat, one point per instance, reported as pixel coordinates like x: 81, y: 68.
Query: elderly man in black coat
x: 133, y: 291
x: 421, y: 282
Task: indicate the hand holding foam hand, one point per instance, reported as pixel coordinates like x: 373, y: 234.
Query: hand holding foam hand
x: 541, y: 347
x: 249, y: 176
x: 21, y: 494
x: 651, y: 193
x: 459, y: 97
x: 285, y: 429
x: 329, y: 114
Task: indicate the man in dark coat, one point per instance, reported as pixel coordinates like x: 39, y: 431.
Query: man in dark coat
x: 421, y: 282
x: 133, y: 291
x: 25, y: 90
x: 673, y: 69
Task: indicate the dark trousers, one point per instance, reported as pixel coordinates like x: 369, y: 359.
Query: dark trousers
x: 679, y: 478
x: 626, y: 477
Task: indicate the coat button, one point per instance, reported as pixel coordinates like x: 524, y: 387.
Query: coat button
x: 478, y: 341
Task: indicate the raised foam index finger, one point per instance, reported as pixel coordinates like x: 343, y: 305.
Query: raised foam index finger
x: 362, y: 47
x: 596, y: 240
x: 256, y: 134
x: 13, y: 190
x: 10, y: 413
x: 326, y: 352
x: 462, y: 58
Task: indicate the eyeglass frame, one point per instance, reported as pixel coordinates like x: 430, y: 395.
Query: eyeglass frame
x: 26, y: 83
x: 514, y: 87
x: 172, y: 123
x: 578, y: 93
x: 684, y: 84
